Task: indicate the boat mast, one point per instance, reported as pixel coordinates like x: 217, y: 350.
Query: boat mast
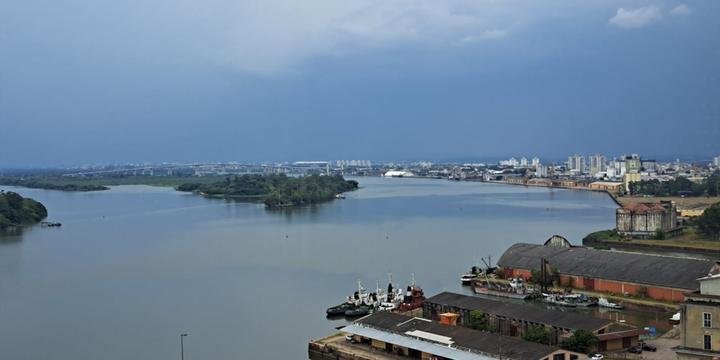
x: 487, y: 268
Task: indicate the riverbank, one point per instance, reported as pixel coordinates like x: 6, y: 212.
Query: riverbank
x: 71, y: 184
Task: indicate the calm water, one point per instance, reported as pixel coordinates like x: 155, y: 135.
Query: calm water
x: 133, y: 267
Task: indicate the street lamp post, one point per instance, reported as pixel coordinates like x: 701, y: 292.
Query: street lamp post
x: 182, y: 347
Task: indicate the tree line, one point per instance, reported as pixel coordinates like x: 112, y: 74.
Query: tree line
x: 50, y: 184
x: 679, y: 186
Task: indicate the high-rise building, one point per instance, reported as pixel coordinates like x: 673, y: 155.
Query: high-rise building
x: 541, y: 170
x: 648, y: 165
x: 716, y: 161
x: 632, y: 163
x: 576, y: 163
x: 524, y: 162
x: 536, y: 161
x: 597, y: 164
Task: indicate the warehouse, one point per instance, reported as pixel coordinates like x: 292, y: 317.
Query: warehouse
x: 657, y: 277
x: 419, y: 338
x: 514, y: 319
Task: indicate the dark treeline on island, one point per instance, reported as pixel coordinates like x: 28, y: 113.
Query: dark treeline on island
x: 276, y: 191
x: 679, y: 186
x: 16, y: 210
x: 50, y: 184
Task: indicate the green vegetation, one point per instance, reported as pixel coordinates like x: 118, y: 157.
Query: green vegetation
x: 709, y: 222
x: 16, y: 210
x: 580, y: 341
x: 538, y: 334
x: 693, y: 236
x: 276, y: 190
x: 602, y: 235
x: 552, y: 276
x: 679, y: 186
x: 64, y: 183
x: 479, y: 320
x: 50, y: 184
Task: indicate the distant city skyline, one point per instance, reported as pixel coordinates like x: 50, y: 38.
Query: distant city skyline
x: 283, y: 80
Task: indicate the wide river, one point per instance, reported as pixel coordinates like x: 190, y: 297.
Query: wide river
x: 134, y: 266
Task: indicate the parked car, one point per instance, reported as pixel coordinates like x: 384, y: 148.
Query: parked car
x: 648, y: 347
x: 635, y: 349
x: 596, y: 357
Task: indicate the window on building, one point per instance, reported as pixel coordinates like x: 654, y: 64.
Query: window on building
x: 708, y: 342
x: 707, y: 320
x: 559, y: 357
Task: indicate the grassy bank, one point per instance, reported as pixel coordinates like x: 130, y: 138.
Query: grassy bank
x: 689, y: 240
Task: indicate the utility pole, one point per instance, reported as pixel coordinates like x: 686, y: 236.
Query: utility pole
x: 182, y: 346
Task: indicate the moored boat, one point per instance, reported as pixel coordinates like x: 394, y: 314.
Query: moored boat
x: 569, y: 300
x: 466, y: 279
x: 603, y: 302
x: 515, y: 290
x: 414, y: 297
x: 359, y: 311
x: 675, y: 319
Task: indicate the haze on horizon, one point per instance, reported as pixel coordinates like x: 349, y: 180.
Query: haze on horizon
x: 156, y: 80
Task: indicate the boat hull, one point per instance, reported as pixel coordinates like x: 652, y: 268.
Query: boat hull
x: 485, y: 291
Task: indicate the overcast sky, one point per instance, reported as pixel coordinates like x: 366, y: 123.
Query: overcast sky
x: 100, y: 81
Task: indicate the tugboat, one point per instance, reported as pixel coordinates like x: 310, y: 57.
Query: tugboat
x: 357, y: 299
x: 358, y: 311
x: 603, y: 302
x: 570, y: 300
x: 361, y: 302
x: 392, y: 299
x: 414, y: 297
x: 516, y: 289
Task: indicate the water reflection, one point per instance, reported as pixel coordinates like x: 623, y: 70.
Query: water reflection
x: 11, y: 235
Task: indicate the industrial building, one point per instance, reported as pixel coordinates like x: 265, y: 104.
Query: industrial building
x: 419, y: 338
x: 657, y: 277
x: 644, y: 220
x: 700, y: 322
x: 513, y: 319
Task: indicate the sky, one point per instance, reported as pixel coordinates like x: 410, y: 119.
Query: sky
x: 100, y: 81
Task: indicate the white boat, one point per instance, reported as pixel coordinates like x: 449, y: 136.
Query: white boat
x: 605, y: 303
x: 466, y: 279
x: 675, y: 318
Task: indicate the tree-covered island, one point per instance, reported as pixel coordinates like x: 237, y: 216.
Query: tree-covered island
x: 16, y: 210
x: 276, y: 191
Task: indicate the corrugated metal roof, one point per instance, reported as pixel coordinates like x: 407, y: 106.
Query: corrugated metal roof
x: 472, y: 341
x: 655, y: 270
x: 523, y: 312
x: 413, y: 343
